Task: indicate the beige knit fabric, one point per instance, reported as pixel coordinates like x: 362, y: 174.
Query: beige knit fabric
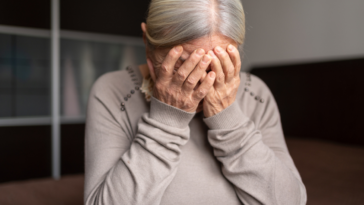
x: 140, y: 152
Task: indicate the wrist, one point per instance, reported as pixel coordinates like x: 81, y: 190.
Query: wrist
x: 211, y: 109
x: 209, y: 112
x: 227, y: 118
x: 168, y: 114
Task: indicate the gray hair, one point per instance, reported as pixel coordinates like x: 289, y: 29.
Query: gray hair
x: 174, y: 22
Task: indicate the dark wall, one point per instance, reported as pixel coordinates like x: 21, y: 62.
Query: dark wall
x: 34, y: 13
x: 72, y: 149
x: 25, y: 152
x: 117, y: 17
x: 319, y: 100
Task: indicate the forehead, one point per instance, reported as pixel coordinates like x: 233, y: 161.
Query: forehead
x: 207, y: 43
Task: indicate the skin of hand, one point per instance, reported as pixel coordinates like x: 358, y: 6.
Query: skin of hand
x: 222, y: 95
x: 179, y: 89
x: 226, y: 64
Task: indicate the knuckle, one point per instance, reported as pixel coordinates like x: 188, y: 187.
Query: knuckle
x: 223, y: 54
x: 201, y: 93
x: 230, y: 70
x: 220, y: 77
x: 188, y: 104
x: 164, y: 67
x: 181, y: 74
x: 201, y: 66
x: 191, y: 81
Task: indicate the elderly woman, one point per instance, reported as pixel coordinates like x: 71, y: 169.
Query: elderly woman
x: 198, y: 131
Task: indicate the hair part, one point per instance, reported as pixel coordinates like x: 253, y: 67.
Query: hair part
x: 174, y: 22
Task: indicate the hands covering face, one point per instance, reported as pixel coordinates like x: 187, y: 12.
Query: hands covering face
x: 218, y: 88
x: 226, y: 65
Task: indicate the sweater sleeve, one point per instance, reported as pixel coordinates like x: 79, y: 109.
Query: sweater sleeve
x: 255, y: 159
x: 134, y: 170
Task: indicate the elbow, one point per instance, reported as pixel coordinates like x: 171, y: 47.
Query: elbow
x: 303, y: 192
x: 293, y: 193
x: 288, y: 188
x: 89, y: 199
x: 92, y: 197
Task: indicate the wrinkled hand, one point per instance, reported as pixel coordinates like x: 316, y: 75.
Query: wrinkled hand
x: 226, y: 65
x: 178, y: 89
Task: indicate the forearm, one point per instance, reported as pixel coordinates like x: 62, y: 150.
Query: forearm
x: 144, y: 171
x: 259, y: 176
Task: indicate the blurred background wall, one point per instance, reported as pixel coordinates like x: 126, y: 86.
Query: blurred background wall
x: 284, y: 32
x: 95, y: 37
x: 102, y: 36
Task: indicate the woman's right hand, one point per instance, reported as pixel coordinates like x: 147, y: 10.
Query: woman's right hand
x: 177, y: 89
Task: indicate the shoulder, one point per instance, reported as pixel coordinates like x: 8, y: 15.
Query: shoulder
x: 116, y: 97
x: 109, y: 81
x: 116, y: 85
x: 254, y: 87
x: 256, y: 99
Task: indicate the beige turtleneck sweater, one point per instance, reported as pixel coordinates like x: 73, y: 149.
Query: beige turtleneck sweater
x: 140, y: 152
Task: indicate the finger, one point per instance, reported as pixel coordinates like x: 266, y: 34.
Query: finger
x: 216, y: 67
x: 205, y: 86
x: 167, y: 66
x: 235, y: 58
x: 226, y: 63
x: 203, y: 77
x: 196, y: 74
x: 187, y: 67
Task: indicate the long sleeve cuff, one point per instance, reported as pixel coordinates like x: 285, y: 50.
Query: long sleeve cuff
x: 226, y: 119
x: 169, y: 115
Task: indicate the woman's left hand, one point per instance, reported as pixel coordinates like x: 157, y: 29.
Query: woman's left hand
x: 226, y: 65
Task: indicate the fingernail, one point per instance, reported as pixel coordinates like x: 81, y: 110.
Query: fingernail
x: 231, y: 47
x: 178, y: 49
x: 218, y: 49
x: 200, y: 52
x: 206, y: 59
x: 212, y: 74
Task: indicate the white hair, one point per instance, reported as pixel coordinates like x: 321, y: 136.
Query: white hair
x: 174, y: 22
